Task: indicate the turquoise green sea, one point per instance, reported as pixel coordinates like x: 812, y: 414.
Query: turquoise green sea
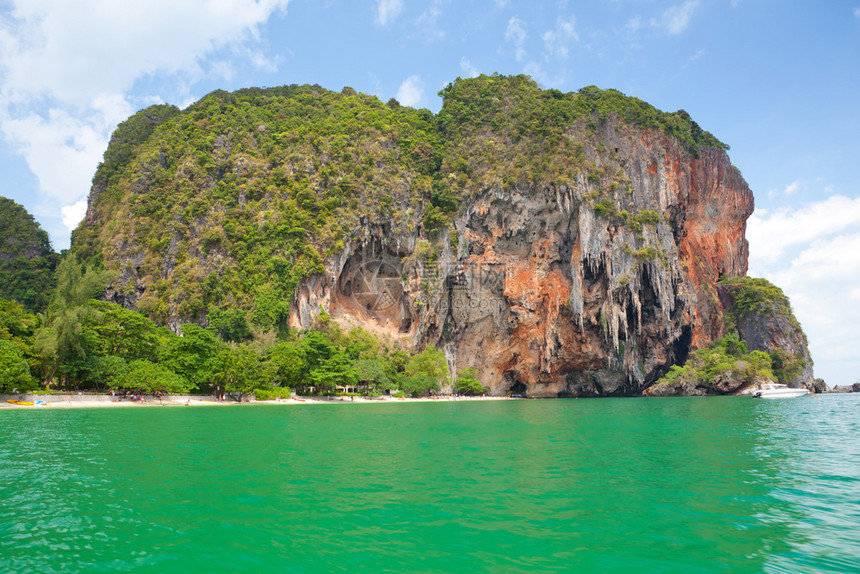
x: 727, y: 484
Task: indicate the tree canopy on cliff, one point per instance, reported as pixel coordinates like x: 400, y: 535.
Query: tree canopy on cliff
x: 756, y: 296
x: 727, y: 359
x: 27, y: 261
x: 759, y: 299
x: 229, y: 203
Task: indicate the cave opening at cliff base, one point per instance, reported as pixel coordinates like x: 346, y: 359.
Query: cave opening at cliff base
x: 518, y: 389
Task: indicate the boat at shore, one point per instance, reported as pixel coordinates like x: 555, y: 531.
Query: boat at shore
x: 778, y: 391
x: 20, y: 403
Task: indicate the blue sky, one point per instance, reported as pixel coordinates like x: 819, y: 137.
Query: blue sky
x: 778, y: 80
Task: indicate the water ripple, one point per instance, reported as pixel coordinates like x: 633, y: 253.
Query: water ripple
x: 664, y: 485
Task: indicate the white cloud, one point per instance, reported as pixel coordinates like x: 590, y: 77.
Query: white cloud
x: 428, y: 21
x: 857, y: 12
x: 792, y: 187
x: 387, y: 11
x: 516, y: 34
x: 73, y: 214
x: 832, y: 260
x: 542, y: 77
x: 69, y: 65
x: 536, y: 72
x: 557, y: 40
x: 83, y: 48
x: 771, y: 234
x: 467, y: 68
x: 548, y: 70
x: 501, y: 4
x: 411, y: 91
x: 61, y: 150
x: 633, y: 25
x: 813, y: 254
x: 674, y: 20
x: 821, y: 282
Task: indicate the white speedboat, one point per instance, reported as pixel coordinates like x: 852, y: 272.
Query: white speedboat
x: 778, y: 391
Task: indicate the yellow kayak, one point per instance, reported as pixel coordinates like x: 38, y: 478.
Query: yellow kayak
x: 22, y: 403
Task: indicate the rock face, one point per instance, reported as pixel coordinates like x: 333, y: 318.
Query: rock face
x: 771, y: 327
x: 723, y: 384
x: 854, y: 388
x: 547, y: 295
x: 560, y: 244
x: 774, y: 332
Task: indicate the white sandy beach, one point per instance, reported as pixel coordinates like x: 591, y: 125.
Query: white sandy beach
x: 106, y: 401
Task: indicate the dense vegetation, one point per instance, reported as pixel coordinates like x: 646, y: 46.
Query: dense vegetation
x: 729, y: 358
x: 756, y: 296
x: 726, y: 359
x: 84, y: 343
x: 227, y: 205
x: 27, y: 261
x: 105, y: 347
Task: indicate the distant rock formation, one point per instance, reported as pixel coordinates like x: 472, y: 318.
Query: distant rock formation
x: 855, y: 388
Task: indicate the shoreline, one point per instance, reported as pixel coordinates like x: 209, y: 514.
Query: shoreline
x: 106, y: 401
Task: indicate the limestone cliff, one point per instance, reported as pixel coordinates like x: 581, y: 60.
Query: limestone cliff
x: 546, y: 294
x: 561, y: 244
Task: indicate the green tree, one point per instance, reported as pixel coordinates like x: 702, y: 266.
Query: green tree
x: 317, y: 348
x: 394, y: 363
x: 193, y: 356
x: 149, y: 378
x: 104, y: 332
x: 16, y: 323
x: 467, y: 383
x: 431, y: 362
x: 785, y: 365
x: 424, y: 372
x: 230, y: 325
x: 18, y: 326
x: 291, y: 364
x: 418, y: 384
x: 336, y: 371
x: 27, y: 261
x: 360, y: 344
x: 14, y: 370
x: 272, y: 308
x: 241, y: 372
x: 109, y: 370
x: 726, y: 356
x: 371, y: 373
x: 122, y: 332
x: 76, y: 285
